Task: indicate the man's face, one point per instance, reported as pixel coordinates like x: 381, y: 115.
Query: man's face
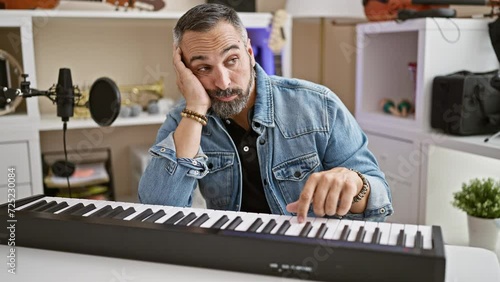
x: 224, y: 66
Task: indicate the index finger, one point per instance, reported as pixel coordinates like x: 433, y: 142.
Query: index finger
x: 305, y: 198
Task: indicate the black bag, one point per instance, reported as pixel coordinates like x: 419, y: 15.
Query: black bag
x: 465, y: 103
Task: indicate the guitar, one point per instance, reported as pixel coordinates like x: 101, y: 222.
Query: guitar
x: 28, y: 4
x: 277, y: 39
x: 147, y: 5
x: 382, y: 10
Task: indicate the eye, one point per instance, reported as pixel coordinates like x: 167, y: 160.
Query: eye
x: 232, y: 61
x: 202, y: 69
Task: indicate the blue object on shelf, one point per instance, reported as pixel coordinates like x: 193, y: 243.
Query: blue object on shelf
x: 259, y: 38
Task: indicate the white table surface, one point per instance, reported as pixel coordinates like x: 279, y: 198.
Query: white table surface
x: 463, y: 264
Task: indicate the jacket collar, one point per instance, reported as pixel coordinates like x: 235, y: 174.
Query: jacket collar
x: 264, y: 102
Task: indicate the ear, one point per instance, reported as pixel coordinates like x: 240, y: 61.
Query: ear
x: 250, y: 52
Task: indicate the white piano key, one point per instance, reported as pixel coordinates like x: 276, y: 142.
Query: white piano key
x: 340, y: 227
x: 385, y: 230
x: 332, y: 225
x: 395, y: 229
x: 315, y: 226
x: 279, y: 221
x: 410, y: 231
x: 138, y: 210
x: 169, y: 212
x: 296, y: 227
x: 98, y: 206
x: 198, y: 213
x: 427, y: 235
x: 356, y: 224
x: 370, y: 229
x: 248, y: 219
x: 234, y: 214
x: 215, y: 215
x: 32, y: 203
x: 266, y: 218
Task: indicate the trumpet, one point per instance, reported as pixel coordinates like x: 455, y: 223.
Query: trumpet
x: 131, y: 95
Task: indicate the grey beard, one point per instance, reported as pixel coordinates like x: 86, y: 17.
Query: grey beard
x: 234, y: 107
x: 231, y: 108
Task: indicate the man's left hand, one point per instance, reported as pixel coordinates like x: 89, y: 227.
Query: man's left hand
x: 331, y: 192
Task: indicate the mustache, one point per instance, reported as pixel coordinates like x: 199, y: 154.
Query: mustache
x: 218, y: 93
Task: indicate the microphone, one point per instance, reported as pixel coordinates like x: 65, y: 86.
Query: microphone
x: 65, y: 95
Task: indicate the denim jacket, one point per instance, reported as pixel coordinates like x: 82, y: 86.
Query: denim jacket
x: 303, y: 128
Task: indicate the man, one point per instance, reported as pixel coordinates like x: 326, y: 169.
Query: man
x: 253, y: 142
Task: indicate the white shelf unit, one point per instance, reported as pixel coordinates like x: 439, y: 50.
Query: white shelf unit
x: 401, y: 144
x: 19, y: 141
x: 132, y: 48
x: 437, y: 46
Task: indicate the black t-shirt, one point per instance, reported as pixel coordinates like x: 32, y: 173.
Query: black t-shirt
x: 253, y: 197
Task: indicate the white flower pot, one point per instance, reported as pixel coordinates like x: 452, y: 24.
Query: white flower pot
x: 483, y: 232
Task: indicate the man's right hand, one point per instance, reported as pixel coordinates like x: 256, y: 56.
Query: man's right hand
x: 190, y: 86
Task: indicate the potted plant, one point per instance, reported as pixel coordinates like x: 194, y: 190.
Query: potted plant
x: 480, y: 199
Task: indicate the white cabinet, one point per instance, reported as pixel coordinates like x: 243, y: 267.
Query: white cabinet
x: 396, y: 160
x: 386, y: 50
x: 19, y: 142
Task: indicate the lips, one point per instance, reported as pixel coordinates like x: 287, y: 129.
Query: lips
x: 227, y: 99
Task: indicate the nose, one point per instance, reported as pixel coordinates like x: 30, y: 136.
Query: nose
x: 221, y: 79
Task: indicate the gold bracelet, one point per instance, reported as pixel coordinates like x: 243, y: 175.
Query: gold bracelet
x: 189, y: 112
x: 364, y: 189
x: 193, y: 117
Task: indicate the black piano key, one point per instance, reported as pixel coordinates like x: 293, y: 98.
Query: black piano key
x: 321, y: 231
x: 72, y: 209
x: 401, y: 238
x: 220, y: 222
x: 44, y: 207
x: 200, y: 220
x: 269, y: 226
x: 345, y: 233
x: 306, y: 229
x: 284, y: 227
x: 57, y: 207
x: 143, y: 215
x: 113, y: 212
x: 173, y: 219
x: 157, y: 215
x: 236, y: 221
x: 361, y: 234
x: 22, y: 202
x: 255, y: 225
x: 84, y: 210
x: 186, y: 220
x: 419, y: 240
x: 376, y: 236
x: 102, y: 211
x: 125, y: 213
x: 35, y: 205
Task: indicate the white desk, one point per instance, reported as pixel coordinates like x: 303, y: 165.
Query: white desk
x: 463, y: 264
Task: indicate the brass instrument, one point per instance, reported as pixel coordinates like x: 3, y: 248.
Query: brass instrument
x: 131, y: 94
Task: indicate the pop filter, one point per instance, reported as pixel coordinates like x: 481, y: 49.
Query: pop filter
x: 104, y: 101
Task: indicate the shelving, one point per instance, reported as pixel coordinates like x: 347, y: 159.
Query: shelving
x: 401, y: 144
x: 437, y: 46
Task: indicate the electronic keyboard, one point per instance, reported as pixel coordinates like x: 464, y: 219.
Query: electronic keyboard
x: 320, y: 249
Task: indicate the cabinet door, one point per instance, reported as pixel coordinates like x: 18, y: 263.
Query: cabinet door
x: 15, y: 155
x: 21, y: 191
x: 399, y: 160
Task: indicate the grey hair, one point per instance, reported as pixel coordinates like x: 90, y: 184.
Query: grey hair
x: 204, y: 17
